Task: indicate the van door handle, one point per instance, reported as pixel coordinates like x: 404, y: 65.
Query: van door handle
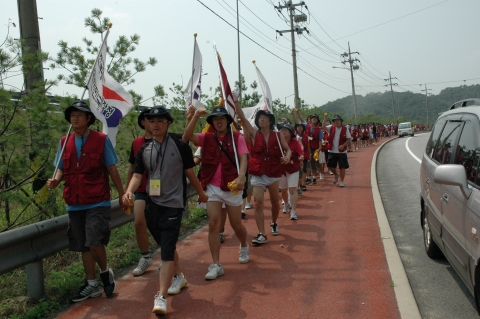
x: 427, y: 180
x: 445, y: 198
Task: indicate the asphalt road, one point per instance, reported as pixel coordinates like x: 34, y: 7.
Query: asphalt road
x: 438, y: 290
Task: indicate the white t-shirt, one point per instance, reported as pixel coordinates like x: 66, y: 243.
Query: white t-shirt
x: 336, y: 139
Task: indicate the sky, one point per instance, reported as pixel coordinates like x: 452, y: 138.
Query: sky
x: 429, y: 41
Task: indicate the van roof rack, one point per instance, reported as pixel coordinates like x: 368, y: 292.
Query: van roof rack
x: 464, y: 103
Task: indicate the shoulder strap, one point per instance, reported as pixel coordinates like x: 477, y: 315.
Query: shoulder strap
x: 224, y: 151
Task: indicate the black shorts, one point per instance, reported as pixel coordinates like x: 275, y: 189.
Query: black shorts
x: 164, y: 225
x: 305, y: 165
x: 88, y: 228
x: 337, y: 158
x: 365, y: 138
x: 141, y: 196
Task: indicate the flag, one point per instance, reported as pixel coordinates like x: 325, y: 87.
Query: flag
x: 229, y: 104
x: 109, y: 101
x: 196, y: 78
x: 251, y: 112
x: 267, y: 95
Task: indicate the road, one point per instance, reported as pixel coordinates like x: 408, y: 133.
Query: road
x: 438, y: 290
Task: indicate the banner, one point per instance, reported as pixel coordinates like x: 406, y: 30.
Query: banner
x: 229, y: 104
x: 251, y: 112
x: 267, y: 95
x: 195, y: 80
x: 109, y: 101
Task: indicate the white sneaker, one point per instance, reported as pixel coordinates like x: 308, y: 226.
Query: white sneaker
x: 341, y: 184
x: 293, y: 215
x: 178, y: 282
x: 159, y: 305
x: 286, y: 208
x: 247, y: 205
x: 243, y: 254
x: 143, y: 265
x: 214, y: 271
x: 335, y: 179
x: 330, y: 172
x: 322, y: 177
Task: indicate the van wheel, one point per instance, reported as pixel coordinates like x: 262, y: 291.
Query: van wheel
x: 431, y: 248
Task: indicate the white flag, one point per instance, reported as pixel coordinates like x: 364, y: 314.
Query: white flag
x: 109, y: 101
x: 193, y: 90
x: 251, y: 112
x: 267, y: 95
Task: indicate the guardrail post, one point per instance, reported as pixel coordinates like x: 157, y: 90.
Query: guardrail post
x: 35, y: 281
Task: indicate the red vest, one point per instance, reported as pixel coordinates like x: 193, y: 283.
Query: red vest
x: 212, y: 156
x: 86, y: 180
x: 306, y: 147
x: 314, y: 143
x: 296, y: 149
x: 266, y: 159
x: 136, y: 144
x: 343, y: 136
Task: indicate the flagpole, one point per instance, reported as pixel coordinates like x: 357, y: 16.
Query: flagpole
x: 109, y: 25
x: 265, y: 101
x: 193, y: 67
x: 224, y: 105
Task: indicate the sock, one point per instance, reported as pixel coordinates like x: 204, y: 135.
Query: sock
x: 92, y: 283
x: 104, y: 271
x: 146, y: 255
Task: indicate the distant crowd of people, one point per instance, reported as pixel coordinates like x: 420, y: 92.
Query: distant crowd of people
x: 238, y: 160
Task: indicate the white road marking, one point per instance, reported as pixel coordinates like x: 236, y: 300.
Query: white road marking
x: 411, y: 153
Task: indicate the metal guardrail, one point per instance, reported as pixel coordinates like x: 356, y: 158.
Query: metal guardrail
x: 29, y: 245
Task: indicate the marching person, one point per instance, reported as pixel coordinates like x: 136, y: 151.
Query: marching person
x: 338, y: 138
x: 265, y: 166
x: 166, y: 158
x: 85, y: 165
x: 219, y: 171
x: 289, y: 180
x: 140, y: 197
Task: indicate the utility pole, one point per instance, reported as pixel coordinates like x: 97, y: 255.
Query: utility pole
x: 294, y: 28
x: 391, y: 90
x: 238, y: 44
x: 352, y: 67
x: 426, y: 99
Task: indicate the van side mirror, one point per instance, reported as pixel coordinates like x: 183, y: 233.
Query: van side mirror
x: 453, y: 174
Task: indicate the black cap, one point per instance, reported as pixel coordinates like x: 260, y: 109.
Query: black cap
x: 159, y: 111
x: 337, y: 117
x: 79, y: 105
x: 219, y: 111
x: 300, y: 124
x: 315, y: 115
x: 267, y: 113
x: 141, y: 117
x: 283, y: 125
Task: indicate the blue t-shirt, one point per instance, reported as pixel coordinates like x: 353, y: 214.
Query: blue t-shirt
x: 109, y: 159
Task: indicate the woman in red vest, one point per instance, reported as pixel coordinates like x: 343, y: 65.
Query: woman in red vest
x: 219, y: 169
x: 265, y: 166
x: 302, y: 137
x: 314, y: 132
x: 338, y: 140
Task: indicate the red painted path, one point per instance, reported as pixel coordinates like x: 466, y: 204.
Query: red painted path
x: 330, y: 263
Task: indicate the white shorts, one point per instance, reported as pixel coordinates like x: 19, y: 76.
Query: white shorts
x: 204, y: 205
x: 289, y: 181
x: 263, y: 181
x: 321, y: 157
x: 215, y: 194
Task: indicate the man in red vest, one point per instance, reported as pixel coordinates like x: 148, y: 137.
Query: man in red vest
x: 219, y: 169
x: 86, y: 164
x: 140, y: 196
x: 338, y: 139
x: 265, y: 166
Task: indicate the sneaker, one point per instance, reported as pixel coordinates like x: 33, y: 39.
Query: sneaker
x: 222, y: 238
x: 243, y: 214
x: 178, y: 282
x: 108, y: 282
x: 341, y: 184
x: 330, y: 172
x: 293, y: 215
x: 335, y: 180
x: 314, y: 181
x: 274, y: 228
x: 286, y: 208
x: 243, y: 254
x: 85, y: 292
x: 303, y: 188
x: 260, y: 239
x: 159, y: 305
x: 299, y: 191
x: 322, y: 177
x: 307, y: 180
x: 214, y: 271
x: 143, y: 265
x: 247, y: 205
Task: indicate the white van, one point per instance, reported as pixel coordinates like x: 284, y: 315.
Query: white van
x: 405, y: 129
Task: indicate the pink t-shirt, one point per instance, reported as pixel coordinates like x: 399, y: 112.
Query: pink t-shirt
x: 241, y: 149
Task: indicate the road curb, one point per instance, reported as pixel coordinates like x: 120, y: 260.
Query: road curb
x: 406, y: 303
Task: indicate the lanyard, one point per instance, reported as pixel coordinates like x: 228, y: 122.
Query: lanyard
x: 159, y: 151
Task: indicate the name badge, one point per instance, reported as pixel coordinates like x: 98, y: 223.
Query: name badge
x: 155, y: 187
